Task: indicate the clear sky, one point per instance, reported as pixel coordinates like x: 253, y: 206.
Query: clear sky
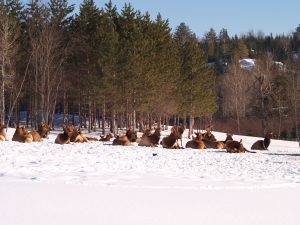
x: 268, y: 16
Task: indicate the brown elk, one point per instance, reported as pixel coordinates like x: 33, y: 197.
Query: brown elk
x: 180, y: 129
x: 147, y: 132
x: 171, y: 140
x: 42, y: 132
x: 151, y: 140
x: 121, y: 140
x: 215, y: 144
x: 63, y: 138
x: 3, y: 132
x: 92, y: 139
x: 196, y: 143
x: 131, y: 135
x: 36, y: 136
x: 208, y: 135
x: 76, y: 135
x: 22, y: 135
x: 236, y: 147
x: 263, y: 144
x: 106, y: 138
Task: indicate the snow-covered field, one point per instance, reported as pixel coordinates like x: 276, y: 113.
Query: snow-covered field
x: 97, y: 183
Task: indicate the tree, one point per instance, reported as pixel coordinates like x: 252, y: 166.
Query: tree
x: 210, y: 43
x: 9, y: 33
x: 236, y: 94
x: 196, y: 89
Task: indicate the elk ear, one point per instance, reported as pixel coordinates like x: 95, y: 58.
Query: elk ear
x: 241, y: 141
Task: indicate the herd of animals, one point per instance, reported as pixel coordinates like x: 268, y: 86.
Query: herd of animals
x: 148, y: 139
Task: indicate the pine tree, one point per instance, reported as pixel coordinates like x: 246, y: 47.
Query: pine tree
x: 196, y: 78
x: 60, y: 12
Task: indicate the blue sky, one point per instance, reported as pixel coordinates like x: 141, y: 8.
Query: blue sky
x: 268, y: 16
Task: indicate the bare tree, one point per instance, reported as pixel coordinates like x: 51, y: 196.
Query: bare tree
x: 263, y: 88
x: 9, y: 34
x: 49, y: 54
x: 235, y: 89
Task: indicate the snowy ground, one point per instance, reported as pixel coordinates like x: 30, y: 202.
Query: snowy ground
x: 97, y: 183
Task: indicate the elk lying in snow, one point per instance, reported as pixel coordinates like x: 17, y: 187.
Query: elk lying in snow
x: 92, y: 139
x: 22, y: 135
x: 236, y: 147
x: 36, y: 136
x: 171, y: 140
x: 106, y: 138
x: 228, y: 138
x: 75, y: 134
x: 208, y: 135
x: 263, y: 144
x: 131, y: 135
x: 180, y: 129
x: 63, y: 138
x: 216, y: 144
x: 196, y: 143
x: 70, y: 134
x: 44, y: 130
x: 147, y: 132
x: 151, y: 140
x: 121, y: 140
x: 3, y: 132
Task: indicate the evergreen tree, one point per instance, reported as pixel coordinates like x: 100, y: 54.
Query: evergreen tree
x: 210, y: 43
x: 196, y: 78
x: 60, y: 12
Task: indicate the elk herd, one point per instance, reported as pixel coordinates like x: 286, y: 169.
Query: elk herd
x: 149, y: 138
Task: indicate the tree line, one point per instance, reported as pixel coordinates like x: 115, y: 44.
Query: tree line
x: 122, y: 68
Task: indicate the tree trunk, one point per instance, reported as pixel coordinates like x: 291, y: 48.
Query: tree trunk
x: 103, y: 118
x: 113, y: 122
x: 2, y: 93
x: 134, y: 120
x: 191, y: 126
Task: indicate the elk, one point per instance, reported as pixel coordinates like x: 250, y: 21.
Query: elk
x: 3, y: 132
x: 22, y: 135
x: 106, y: 138
x: 208, y: 135
x: 92, y: 139
x: 236, y: 147
x: 131, y: 135
x: 36, y: 136
x: 121, y: 140
x: 263, y: 144
x: 171, y: 140
x: 147, y: 132
x: 228, y: 138
x: 76, y: 135
x: 209, y: 143
x: 196, y: 143
x: 63, y: 138
x: 151, y: 140
x: 179, y: 129
x: 44, y: 130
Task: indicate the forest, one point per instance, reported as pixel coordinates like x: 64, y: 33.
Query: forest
x: 123, y: 68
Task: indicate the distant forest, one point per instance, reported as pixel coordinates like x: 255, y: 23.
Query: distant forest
x: 122, y: 68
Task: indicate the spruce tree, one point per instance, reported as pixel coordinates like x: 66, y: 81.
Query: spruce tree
x: 196, y: 81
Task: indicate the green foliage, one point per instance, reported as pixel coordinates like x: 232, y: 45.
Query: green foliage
x: 196, y: 80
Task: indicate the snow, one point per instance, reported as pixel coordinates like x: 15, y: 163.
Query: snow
x: 97, y: 183
x: 247, y: 63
